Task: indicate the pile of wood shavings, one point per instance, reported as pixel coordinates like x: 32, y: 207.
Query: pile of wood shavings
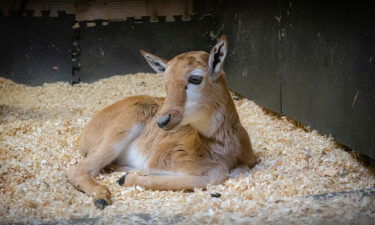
x: 40, y: 126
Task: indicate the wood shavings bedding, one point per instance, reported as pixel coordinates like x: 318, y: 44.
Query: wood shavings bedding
x: 40, y: 126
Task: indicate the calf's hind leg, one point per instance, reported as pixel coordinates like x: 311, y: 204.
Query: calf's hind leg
x: 239, y: 170
x: 217, y: 174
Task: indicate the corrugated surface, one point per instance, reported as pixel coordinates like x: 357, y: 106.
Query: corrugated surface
x: 106, y: 9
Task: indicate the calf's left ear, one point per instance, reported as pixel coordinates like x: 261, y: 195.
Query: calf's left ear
x: 157, y: 63
x: 217, y: 57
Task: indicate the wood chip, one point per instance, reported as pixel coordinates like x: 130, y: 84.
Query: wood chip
x: 330, y: 172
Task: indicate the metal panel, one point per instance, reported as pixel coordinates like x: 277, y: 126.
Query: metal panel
x: 313, y: 61
x: 252, y: 65
x: 329, y: 74
x: 36, y: 50
x: 114, y: 49
x: 106, y: 10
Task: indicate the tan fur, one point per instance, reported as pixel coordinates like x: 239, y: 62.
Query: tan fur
x: 180, y: 157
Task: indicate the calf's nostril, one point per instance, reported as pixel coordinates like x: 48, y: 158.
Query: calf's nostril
x: 164, y: 120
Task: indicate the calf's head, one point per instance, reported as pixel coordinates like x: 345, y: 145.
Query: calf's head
x: 191, y: 81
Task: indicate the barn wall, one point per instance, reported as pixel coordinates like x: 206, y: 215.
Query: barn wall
x: 313, y: 61
x: 114, y: 48
x: 103, y: 9
x: 35, y: 50
x: 252, y: 65
x: 48, y: 41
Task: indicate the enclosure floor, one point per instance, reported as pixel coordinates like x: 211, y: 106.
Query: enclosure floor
x: 40, y: 126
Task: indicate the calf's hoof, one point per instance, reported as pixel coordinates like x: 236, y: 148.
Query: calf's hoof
x: 122, y: 179
x: 100, y: 203
x: 102, y: 197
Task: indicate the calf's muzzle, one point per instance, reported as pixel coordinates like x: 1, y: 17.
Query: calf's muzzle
x: 163, y: 120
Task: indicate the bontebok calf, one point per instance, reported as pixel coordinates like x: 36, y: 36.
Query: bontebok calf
x: 191, y: 138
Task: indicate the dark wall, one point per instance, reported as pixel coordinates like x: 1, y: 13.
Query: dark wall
x: 114, y: 48
x: 313, y: 61
x: 40, y: 49
x: 334, y: 70
x: 253, y: 61
x: 36, y: 50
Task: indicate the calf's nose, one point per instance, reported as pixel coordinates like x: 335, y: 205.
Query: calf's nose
x: 164, y: 120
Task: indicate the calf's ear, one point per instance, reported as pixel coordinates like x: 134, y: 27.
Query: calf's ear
x: 157, y: 63
x: 217, y: 57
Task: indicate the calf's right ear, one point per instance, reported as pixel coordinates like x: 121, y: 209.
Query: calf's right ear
x: 157, y: 63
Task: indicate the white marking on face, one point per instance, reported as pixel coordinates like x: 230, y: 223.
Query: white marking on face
x: 193, y: 96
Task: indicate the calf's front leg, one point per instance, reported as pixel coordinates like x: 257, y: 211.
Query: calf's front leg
x: 82, y: 175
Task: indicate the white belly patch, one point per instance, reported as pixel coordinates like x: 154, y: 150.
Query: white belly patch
x: 134, y: 158
x: 127, y: 152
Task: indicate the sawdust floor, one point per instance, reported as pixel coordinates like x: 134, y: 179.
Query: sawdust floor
x: 39, y: 128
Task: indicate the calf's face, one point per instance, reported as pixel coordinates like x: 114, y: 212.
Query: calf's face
x: 189, y: 81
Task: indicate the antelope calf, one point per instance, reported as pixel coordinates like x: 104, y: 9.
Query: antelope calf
x: 191, y: 138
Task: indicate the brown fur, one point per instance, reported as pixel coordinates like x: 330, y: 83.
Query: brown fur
x: 183, y: 155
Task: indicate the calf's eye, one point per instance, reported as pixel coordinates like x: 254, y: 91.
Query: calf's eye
x: 194, y: 79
